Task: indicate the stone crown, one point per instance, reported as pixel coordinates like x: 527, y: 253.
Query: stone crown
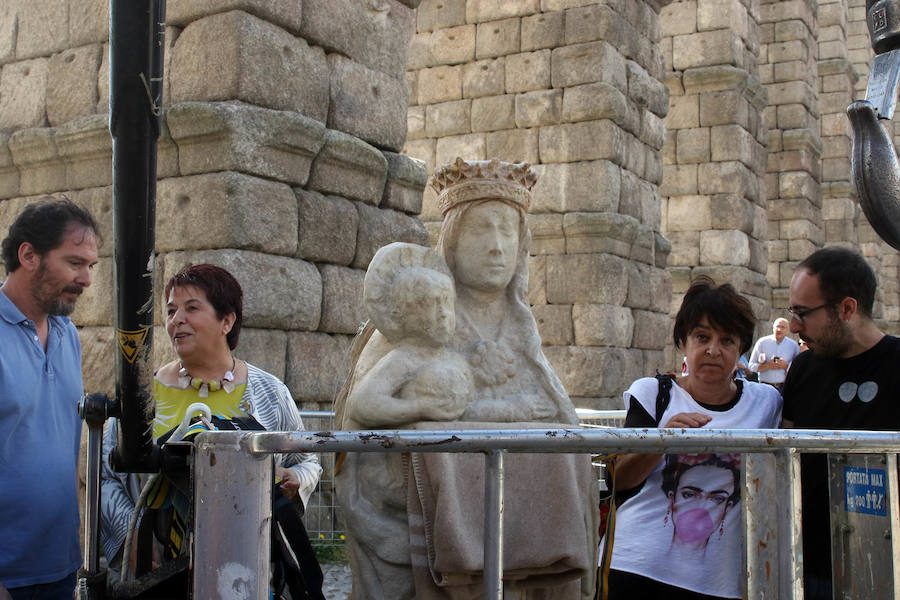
x: 466, y: 181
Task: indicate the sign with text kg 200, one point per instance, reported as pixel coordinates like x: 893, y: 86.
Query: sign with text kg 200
x: 864, y: 491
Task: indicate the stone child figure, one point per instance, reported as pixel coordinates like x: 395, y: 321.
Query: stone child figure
x: 409, y: 297
x: 388, y: 499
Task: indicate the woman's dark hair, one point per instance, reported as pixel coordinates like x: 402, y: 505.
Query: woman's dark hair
x: 221, y: 289
x: 723, y: 307
x: 842, y: 274
x: 676, y: 467
x: 44, y: 224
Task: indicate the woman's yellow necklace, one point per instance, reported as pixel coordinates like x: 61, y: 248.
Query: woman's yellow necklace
x: 205, y: 386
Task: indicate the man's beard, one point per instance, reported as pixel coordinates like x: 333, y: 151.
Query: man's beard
x: 48, y: 297
x: 834, y: 341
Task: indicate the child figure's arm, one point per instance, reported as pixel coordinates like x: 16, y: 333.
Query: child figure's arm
x: 376, y: 400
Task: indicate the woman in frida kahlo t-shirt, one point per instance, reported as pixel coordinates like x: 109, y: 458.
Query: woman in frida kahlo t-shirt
x: 679, y: 536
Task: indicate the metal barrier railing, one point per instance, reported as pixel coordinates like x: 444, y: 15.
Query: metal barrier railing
x: 321, y: 515
x: 226, y: 556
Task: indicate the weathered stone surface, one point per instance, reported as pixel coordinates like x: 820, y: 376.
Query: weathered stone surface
x: 85, y: 146
x: 554, y: 324
x: 9, y: 174
x: 587, y: 371
x: 236, y: 56
x: 586, y: 279
x: 546, y: 234
x: 103, y: 79
x: 367, y: 103
x: 71, y: 83
x: 528, y: 71
x: 596, y: 232
x: 484, y: 78
x: 545, y: 30
x: 264, y: 348
x: 327, y: 228
x: 577, y: 187
x: 41, y: 28
x: 646, y: 91
x: 226, y: 210
x: 378, y: 227
x: 594, y: 101
x: 448, y: 118
x: 279, y: 292
x: 98, y: 201
x: 685, y: 248
x: 422, y: 150
x: 240, y: 137
x: 688, y: 213
x: 488, y: 10
x: 513, y: 145
x: 497, y: 38
x: 588, y: 63
x: 440, y: 14
x: 471, y: 146
x: 718, y: 247
x: 284, y: 13
x: 97, y: 365
x: 317, y: 364
x: 651, y: 330
x: 349, y: 167
x: 406, y: 180
x: 375, y: 34
x: 693, y: 145
x: 744, y: 280
x: 537, y: 280
x: 653, y: 133
x: 679, y: 18
x: 415, y: 123
x: 728, y: 178
x: 88, y: 22
x: 661, y: 250
x: 23, y: 94
x: 342, y: 299
x: 7, y: 32
x: 728, y: 211
x: 534, y: 109
x: 708, y: 48
x: 440, y: 84
x: 35, y: 153
x: 602, y: 325
x: 588, y: 140
x: 491, y: 113
x: 684, y: 112
x: 449, y: 46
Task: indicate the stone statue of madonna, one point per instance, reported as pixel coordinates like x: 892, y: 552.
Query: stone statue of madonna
x: 501, y: 380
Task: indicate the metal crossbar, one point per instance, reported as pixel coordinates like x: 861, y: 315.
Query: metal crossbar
x: 324, y: 526
x: 773, y: 572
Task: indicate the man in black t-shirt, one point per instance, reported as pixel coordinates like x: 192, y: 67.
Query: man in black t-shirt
x: 849, y: 380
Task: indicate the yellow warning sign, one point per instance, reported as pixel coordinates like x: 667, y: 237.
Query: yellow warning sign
x: 130, y: 342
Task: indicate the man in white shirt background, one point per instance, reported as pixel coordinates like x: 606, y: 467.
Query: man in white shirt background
x: 772, y: 354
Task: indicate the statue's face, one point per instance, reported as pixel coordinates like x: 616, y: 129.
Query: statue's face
x: 432, y: 317
x: 487, y: 247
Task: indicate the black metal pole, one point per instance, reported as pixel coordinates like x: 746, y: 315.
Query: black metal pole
x: 137, y: 30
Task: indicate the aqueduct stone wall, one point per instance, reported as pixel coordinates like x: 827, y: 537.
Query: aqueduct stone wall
x: 697, y: 136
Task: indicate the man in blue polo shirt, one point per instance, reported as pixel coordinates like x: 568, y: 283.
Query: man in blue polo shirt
x: 48, y: 255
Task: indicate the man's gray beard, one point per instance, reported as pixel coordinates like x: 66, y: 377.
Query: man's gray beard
x: 60, y: 309
x: 53, y: 306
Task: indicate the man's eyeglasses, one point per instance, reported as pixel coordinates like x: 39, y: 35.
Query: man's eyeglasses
x: 801, y: 313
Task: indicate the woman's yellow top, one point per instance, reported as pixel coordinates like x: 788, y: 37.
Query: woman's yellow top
x: 172, y: 402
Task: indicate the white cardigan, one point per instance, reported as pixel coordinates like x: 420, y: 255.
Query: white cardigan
x: 265, y: 398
